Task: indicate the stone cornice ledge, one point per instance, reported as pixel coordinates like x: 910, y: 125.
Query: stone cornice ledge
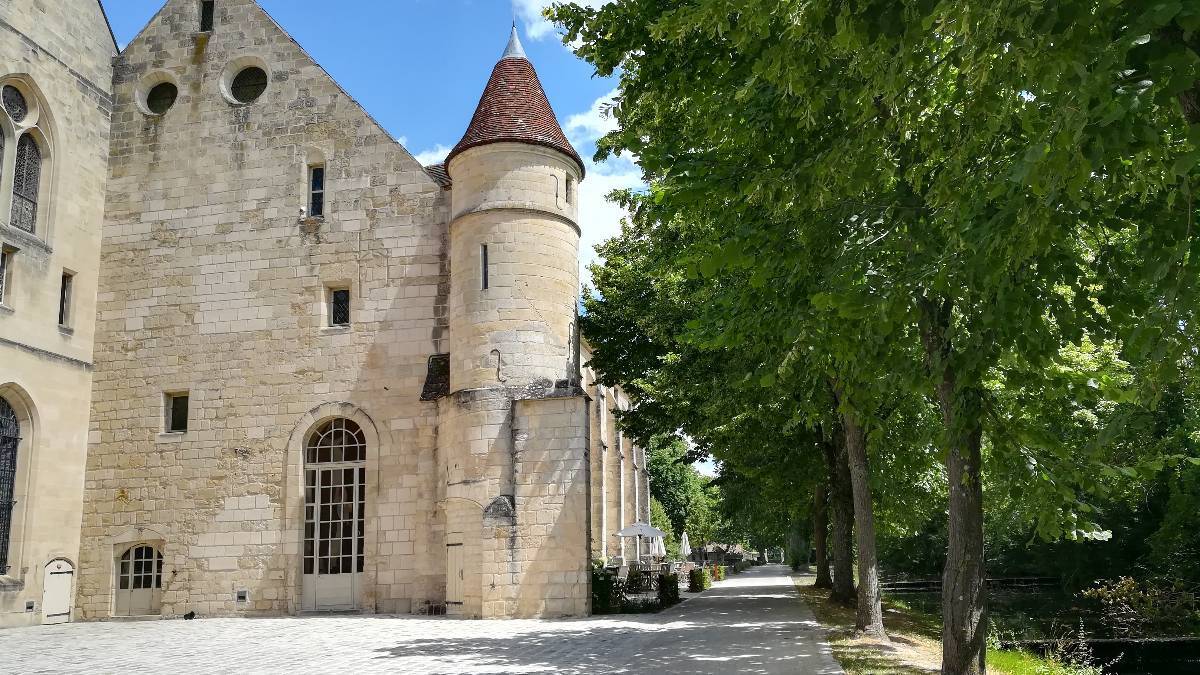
x: 37, y: 351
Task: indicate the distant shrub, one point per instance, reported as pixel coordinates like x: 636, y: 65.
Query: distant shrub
x: 668, y: 589
x: 1141, y: 608
x: 699, y: 580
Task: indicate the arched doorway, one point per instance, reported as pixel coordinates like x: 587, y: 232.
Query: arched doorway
x: 57, y: 587
x: 139, y: 581
x: 10, y: 440
x: 335, y: 477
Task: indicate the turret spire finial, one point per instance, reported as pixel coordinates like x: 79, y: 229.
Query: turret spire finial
x: 514, y: 50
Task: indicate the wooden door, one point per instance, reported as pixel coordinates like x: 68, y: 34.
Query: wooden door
x: 454, y: 577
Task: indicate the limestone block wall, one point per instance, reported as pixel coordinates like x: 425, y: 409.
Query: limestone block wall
x: 476, y: 467
x: 58, y: 55
x: 519, y: 329
x: 552, y: 510
x: 619, y: 490
x: 598, y: 467
x: 213, y: 284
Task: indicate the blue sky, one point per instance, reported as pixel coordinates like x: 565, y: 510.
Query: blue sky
x: 419, y: 66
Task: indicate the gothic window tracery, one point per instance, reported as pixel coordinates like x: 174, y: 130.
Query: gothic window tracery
x: 27, y: 176
x: 14, y: 103
x: 24, y: 149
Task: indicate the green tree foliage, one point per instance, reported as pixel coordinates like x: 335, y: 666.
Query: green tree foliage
x: 910, y: 196
x: 659, y: 519
x: 674, y: 482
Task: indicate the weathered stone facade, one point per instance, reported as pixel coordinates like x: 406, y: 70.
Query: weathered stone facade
x: 57, y: 57
x: 491, y: 471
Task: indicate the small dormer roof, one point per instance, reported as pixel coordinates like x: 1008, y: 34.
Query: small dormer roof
x: 514, y: 109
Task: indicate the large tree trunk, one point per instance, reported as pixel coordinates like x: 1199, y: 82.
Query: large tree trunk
x: 869, y: 618
x: 964, y: 586
x: 841, y: 512
x: 820, y: 536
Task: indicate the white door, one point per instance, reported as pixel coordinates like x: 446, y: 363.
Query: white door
x: 333, y: 537
x: 56, y: 591
x: 454, y: 578
x: 139, y: 582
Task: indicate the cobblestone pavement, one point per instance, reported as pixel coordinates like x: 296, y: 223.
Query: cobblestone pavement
x: 751, y: 623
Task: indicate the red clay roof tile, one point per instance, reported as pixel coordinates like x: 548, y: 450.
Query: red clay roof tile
x: 514, y: 108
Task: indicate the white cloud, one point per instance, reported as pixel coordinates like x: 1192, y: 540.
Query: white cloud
x: 599, y: 219
x: 435, y: 155
x: 586, y: 127
x: 536, y: 26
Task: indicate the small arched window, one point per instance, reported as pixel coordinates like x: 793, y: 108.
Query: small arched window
x: 10, y: 440
x: 27, y: 176
x: 141, y: 567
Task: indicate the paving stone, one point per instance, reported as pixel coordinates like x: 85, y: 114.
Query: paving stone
x: 751, y: 623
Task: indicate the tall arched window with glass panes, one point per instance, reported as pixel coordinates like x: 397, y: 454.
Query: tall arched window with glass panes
x: 28, y: 155
x: 10, y: 440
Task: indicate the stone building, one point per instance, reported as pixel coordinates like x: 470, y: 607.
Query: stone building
x: 55, y: 91
x: 323, y: 377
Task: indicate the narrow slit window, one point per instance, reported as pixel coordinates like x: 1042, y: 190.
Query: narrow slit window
x: 339, y: 307
x: 6, y: 272
x: 177, y: 412
x: 208, y: 8
x: 64, y: 299
x: 570, y: 189
x: 483, y: 266
x: 316, y: 191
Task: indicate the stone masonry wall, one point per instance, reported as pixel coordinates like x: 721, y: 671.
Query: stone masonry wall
x: 59, y: 55
x: 519, y: 329
x: 552, y: 568
x: 213, y: 284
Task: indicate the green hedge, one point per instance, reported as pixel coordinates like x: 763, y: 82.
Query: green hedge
x: 668, y: 589
x: 742, y: 566
x: 699, y: 580
x: 608, y: 592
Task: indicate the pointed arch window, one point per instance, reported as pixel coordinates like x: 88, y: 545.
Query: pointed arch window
x: 27, y: 176
x: 10, y: 439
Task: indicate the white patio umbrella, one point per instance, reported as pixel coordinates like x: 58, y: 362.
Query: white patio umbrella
x: 685, y: 548
x: 658, y: 547
x: 640, y: 530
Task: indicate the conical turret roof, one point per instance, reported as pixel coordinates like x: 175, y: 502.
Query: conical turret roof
x: 514, y: 109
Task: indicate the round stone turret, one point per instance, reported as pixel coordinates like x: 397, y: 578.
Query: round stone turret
x: 514, y: 237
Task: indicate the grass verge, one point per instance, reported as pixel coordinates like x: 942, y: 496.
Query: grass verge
x: 915, y: 647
